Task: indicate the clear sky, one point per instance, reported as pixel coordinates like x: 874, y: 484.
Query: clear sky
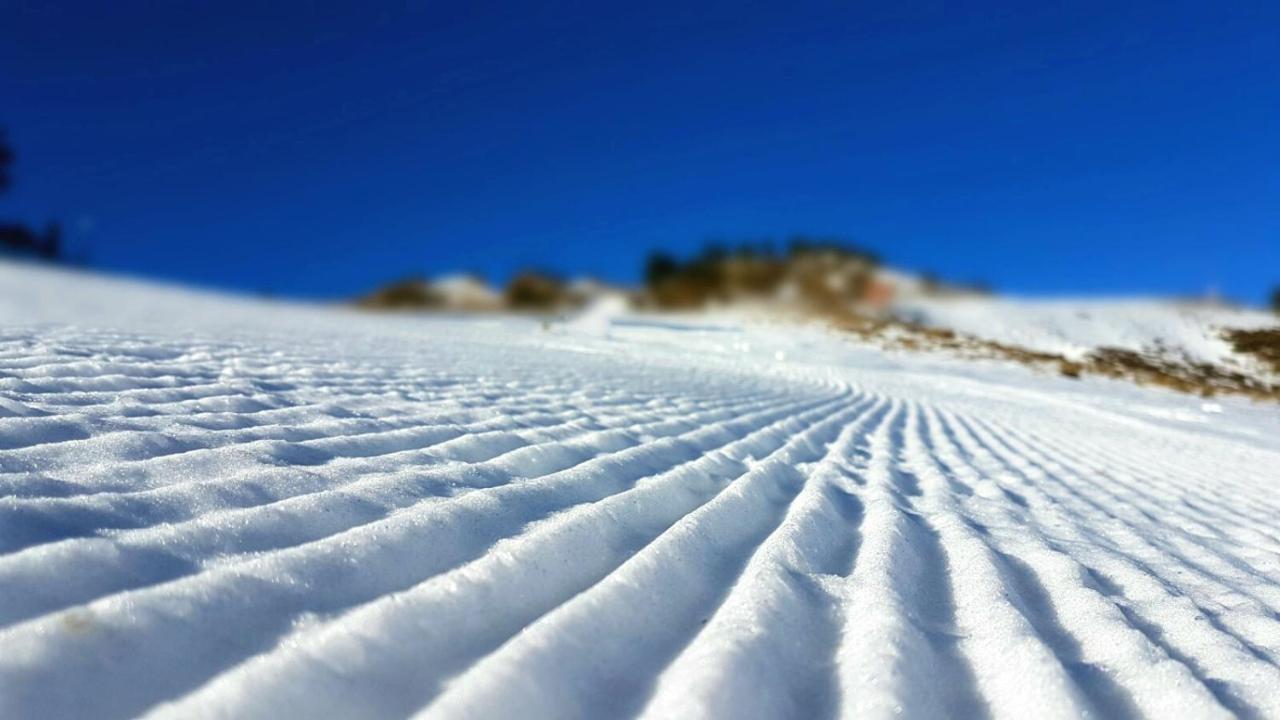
x: 320, y: 148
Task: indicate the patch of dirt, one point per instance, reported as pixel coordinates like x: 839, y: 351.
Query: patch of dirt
x: 1263, y: 345
x: 407, y: 294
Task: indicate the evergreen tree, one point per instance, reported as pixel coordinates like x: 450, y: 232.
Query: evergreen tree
x: 6, y: 161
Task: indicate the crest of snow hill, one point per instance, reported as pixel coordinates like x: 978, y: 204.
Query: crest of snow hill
x: 1200, y: 346
x: 809, y: 275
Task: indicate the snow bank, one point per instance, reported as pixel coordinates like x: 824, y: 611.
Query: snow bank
x: 1075, y: 327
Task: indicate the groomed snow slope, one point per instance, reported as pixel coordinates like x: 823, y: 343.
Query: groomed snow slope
x: 219, y: 508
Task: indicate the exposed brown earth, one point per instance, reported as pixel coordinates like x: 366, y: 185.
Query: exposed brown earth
x: 407, y: 294
x: 1264, y: 345
x: 813, y: 273
x: 536, y: 291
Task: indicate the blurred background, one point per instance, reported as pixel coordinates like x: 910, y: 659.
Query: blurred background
x: 322, y: 149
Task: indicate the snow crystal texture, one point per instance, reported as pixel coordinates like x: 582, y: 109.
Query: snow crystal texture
x: 212, y: 507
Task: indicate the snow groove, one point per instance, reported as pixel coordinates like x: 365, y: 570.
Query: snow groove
x: 269, y: 514
x: 593, y: 538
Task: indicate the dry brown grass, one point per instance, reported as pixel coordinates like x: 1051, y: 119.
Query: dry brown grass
x: 408, y: 294
x: 1263, y: 345
x: 536, y: 291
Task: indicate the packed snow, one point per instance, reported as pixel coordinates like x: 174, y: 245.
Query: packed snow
x: 223, y: 507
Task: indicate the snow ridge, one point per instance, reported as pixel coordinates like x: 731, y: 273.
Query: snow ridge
x: 456, y: 519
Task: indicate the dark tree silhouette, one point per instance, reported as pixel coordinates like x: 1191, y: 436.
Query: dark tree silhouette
x: 18, y: 239
x: 6, y: 161
x: 1275, y: 299
x: 50, y: 247
x: 658, y: 267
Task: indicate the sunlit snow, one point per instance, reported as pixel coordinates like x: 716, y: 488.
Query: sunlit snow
x: 220, y: 507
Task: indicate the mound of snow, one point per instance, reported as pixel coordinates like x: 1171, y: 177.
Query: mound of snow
x: 598, y: 318
x: 466, y: 292
x: 1073, y: 328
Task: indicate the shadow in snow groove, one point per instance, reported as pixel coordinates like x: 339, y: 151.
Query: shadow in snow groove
x: 1220, y: 690
x: 1032, y: 599
x: 933, y: 610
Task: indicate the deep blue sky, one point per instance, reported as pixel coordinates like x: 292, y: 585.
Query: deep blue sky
x: 320, y: 148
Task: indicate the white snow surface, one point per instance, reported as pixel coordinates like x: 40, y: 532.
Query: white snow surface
x: 214, y: 507
x: 466, y: 291
x: 1074, y: 327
